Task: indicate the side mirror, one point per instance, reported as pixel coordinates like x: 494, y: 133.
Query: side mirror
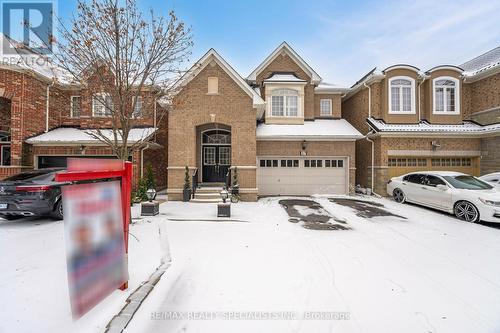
x: 442, y: 187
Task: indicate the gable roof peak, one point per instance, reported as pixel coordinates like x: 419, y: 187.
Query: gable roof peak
x: 205, y: 60
x: 286, y: 48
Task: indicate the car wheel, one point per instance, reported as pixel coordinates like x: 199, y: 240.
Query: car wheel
x: 58, y: 211
x: 466, y: 211
x: 398, y: 195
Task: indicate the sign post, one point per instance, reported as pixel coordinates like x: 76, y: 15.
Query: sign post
x: 85, y: 170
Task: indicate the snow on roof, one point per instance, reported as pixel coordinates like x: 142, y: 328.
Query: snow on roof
x: 482, y: 63
x: 325, y: 88
x: 66, y: 135
x: 467, y: 127
x: 320, y: 129
x: 22, y: 57
x: 284, y: 77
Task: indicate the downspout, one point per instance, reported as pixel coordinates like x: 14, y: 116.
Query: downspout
x: 370, y: 140
x: 142, y: 159
x: 369, y: 100
x: 154, y: 117
x: 47, y: 110
x: 419, y: 96
x: 373, y: 159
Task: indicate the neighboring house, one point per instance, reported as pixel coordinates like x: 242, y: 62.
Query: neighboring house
x: 446, y: 118
x: 44, y: 119
x: 281, y: 127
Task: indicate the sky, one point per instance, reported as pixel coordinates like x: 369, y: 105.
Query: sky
x: 341, y: 40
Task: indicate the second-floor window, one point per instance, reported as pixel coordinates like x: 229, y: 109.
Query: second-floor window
x: 102, y: 104
x: 284, y: 103
x: 137, y: 107
x: 325, y: 107
x: 76, y: 106
x: 401, y: 95
x: 446, y: 95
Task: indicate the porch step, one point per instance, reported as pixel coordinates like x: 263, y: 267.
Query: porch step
x: 207, y: 194
x: 201, y: 185
x: 209, y: 190
x: 206, y: 200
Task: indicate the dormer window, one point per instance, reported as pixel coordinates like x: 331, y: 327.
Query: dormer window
x: 401, y: 95
x: 284, y: 103
x: 446, y: 96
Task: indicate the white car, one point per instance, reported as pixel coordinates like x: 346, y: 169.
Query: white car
x: 468, y: 197
x: 492, y: 178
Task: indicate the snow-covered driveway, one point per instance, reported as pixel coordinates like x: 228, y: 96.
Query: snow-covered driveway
x: 416, y: 271
x: 426, y: 273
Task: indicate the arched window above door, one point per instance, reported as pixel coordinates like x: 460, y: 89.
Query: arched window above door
x: 216, y: 137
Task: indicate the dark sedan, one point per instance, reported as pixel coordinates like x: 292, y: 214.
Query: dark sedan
x: 33, y: 193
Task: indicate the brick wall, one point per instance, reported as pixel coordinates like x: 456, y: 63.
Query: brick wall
x: 490, y: 159
x: 485, y: 93
x: 232, y: 108
x: 336, y: 105
x: 5, y: 114
x: 27, y: 95
x: 283, y: 63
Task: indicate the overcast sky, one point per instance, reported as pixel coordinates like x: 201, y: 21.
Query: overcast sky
x: 340, y: 40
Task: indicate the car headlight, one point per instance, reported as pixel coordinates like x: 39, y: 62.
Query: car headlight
x: 490, y: 202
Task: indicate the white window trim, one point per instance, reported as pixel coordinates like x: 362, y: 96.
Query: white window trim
x: 330, y: 112
x: 103, y: 96
x: 412, y: 80
x: 457, y: 97
x: 71, y: 106
x: 285, y: 105
x: 142, y: 107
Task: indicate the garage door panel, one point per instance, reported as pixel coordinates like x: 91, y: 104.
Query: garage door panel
x: 400, y: 165
x: 302, y: 180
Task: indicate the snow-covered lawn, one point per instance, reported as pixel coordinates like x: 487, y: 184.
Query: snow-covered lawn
x: 427, y: 273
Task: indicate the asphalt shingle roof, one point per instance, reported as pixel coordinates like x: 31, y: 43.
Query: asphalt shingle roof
x: 483, y: 62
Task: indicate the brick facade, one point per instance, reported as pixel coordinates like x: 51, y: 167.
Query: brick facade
x: 25, y: 96
x: 232, y: 108
x: 283, y: 63
x: 475, y: 97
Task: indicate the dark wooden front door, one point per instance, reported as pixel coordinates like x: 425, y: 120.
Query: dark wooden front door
x: 216, y: 162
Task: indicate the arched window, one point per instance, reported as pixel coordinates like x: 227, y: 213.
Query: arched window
x: 401, y: 95
x: 284, y: 103
x: 446, y: 95
x: 216, y: 137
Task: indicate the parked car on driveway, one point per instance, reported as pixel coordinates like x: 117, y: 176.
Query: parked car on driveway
x: 492, y: 178
x: 468, y: 197
x: 32, y: 193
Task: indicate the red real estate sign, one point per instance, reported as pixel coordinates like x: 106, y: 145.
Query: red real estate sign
x: 95, y: 247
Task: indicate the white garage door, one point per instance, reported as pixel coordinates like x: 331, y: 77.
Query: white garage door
x: 302, y: 176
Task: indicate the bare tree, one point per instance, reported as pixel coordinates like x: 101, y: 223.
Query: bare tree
x: 114, y: 50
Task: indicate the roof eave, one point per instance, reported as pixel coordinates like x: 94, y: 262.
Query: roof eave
x: 309, y: 137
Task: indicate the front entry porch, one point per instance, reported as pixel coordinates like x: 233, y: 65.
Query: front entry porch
x: 214, y: 151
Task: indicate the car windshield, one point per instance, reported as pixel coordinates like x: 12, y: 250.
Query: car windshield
x: 467, y: 182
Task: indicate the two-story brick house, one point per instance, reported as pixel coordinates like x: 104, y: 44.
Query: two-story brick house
x: 445, y: 118
x: 281, y: 127
x: 44, y: 119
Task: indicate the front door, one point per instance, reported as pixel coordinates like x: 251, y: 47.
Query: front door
x: 216, y: 162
